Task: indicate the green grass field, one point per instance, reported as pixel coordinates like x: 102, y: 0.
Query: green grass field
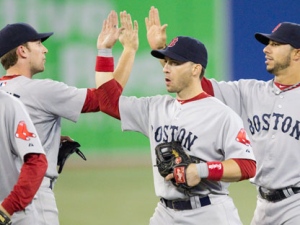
x: 118, y: 191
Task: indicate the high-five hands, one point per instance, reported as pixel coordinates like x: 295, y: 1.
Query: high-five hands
x: 156, y: 34
x: 129, y: 33
x: 110, y: 32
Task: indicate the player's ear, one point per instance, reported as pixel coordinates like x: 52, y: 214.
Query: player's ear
x: 297, y: 54
x: 22, y: 51
x: 196, y: 70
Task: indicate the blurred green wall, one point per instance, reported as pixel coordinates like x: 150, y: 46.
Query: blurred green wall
x: 72, y: 51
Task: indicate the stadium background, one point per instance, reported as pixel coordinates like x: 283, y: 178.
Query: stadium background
x: 115, y: 185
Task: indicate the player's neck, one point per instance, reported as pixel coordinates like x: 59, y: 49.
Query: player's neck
x: 189, y: 92
x: 17, y: 71
x: 185, y: 95
x: 288, y: 76
x: 197, y: 97
x: 287, y: 79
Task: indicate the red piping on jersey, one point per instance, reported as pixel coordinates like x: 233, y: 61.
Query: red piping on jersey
x: 284, y: 87
x: 9, y: 77
x: 198, y: 97
x: 29, y: 181
x: 281, y: 86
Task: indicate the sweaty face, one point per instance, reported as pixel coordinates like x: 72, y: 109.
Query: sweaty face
x: 278, y: 57
x: 36, y: 56
x: 178, y: 75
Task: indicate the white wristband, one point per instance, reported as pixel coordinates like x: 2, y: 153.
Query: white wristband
x: 105, y: 52
x: 202, y: 170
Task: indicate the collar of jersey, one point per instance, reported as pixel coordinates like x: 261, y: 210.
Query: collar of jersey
x: 197, y: 97
x: 8, y: 77
x: 283, y: 87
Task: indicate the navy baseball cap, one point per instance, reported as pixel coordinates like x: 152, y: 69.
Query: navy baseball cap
x: 285, y: 33
x: 184, y: 49
x: 13, y: 35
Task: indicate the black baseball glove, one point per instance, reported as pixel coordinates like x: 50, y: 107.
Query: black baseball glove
x: 171, y: 158
x: 4, y: 219
x: 66, y: 149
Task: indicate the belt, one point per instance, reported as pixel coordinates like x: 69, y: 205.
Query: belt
x: 48, y: 182
x: 186, y: 204
x: 279, y: 194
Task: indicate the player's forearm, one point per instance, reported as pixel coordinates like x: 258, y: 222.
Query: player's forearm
x: 247, y: 166
x: 4, y: 210
x: 31, y: 176
x: 103, y: 77
x: 124, y: 66
x: 227, y: 171
x: 108, y: 89
x: 238, y: 169
x: 104, y: 70
x: 108, y: 95
x: 231, y: 171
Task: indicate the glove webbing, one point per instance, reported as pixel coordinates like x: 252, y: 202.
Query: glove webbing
x: 4, y: 219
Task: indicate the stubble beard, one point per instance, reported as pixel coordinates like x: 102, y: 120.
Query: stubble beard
x: 280, y: 66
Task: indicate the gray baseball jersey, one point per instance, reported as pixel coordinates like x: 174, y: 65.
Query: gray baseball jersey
x: 18, y: 137
x: 206, y: 128
x: 272, y: 120
x: 47, y: 101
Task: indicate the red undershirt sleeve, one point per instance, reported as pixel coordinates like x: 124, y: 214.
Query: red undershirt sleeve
x: 108, y: 95
x: 248, y: 168
x: 109, y: 91
x: 91, y: 103
x: 29, y: 181
x: 207, y: 86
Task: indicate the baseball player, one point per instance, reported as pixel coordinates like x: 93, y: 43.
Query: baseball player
x: 268, y: 112
x: 191, y: 119
x: 23, y: 163
x: 23, y: 55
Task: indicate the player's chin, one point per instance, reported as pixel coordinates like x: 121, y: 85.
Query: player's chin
x: 270, y: 69
x: 39, y: 70
x: 42, y: 68
x: 171, y: 90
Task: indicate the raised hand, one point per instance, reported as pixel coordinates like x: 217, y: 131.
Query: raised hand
x: 129, y: 33
x: 156, y: 34
x: 110, y: 32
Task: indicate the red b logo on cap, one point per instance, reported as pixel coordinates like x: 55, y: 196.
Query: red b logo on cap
x: 276, y: 27
x: 173, y: 42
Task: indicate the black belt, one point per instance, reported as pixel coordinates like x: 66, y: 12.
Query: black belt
x: 49, y: 182
x: 185, y: 204
x: 279, y: 194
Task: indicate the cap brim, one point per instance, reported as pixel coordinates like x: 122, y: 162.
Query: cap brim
x: 161, y: 54
x: 44, y: 36
x: 265, y: 38
x: 262, y: 38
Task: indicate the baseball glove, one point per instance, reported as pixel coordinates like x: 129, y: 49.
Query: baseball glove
x: 66, y: 149
x: 4, y: 219
x: 171, y: 158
